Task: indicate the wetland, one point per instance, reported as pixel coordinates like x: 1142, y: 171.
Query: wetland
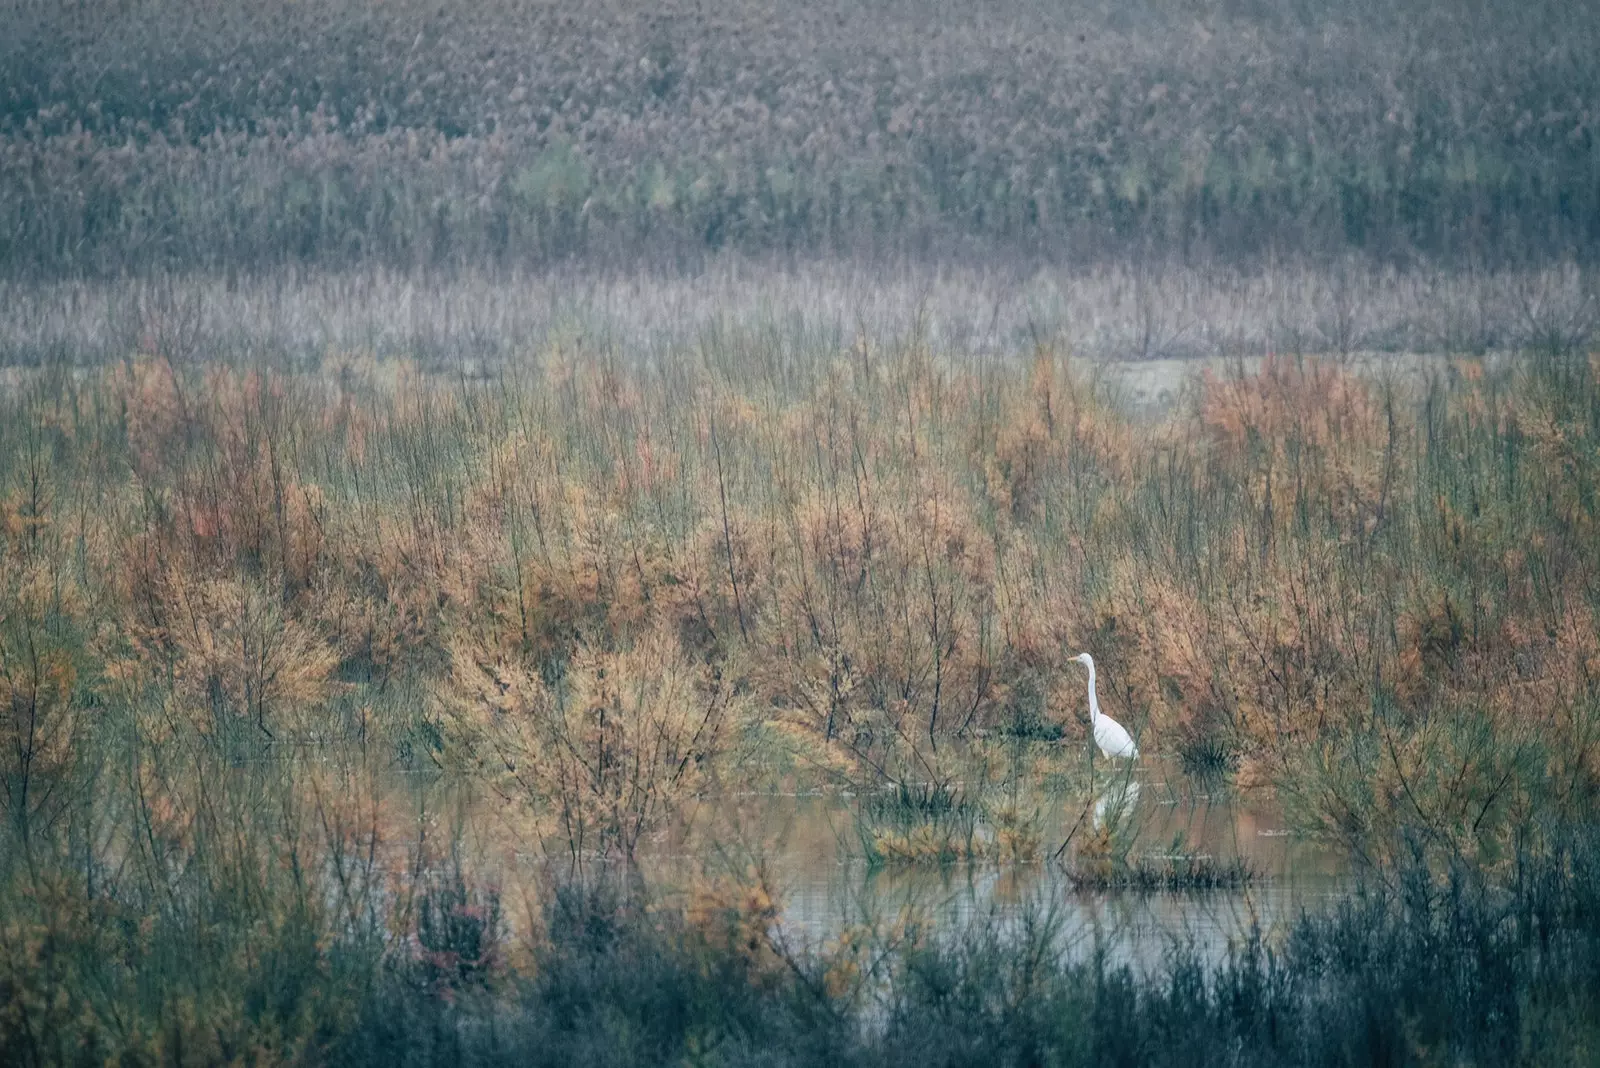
x: 564, y: 534
x: 606, y: 710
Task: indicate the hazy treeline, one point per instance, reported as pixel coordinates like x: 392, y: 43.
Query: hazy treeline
x: 163, y: 132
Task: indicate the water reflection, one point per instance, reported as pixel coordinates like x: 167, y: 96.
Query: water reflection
x: 1132, y: 928
x: 1116, y: 803
x: 810, y: 850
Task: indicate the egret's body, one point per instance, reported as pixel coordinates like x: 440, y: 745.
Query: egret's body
x: 1108, y: 733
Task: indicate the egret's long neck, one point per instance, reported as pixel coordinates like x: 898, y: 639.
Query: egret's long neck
x: 1094, y: 701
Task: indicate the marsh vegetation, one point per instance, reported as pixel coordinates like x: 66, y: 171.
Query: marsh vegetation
x: 243, y: 136
x: 604, y: 593
x: 552, y: 534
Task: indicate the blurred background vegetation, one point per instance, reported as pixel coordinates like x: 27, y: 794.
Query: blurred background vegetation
x: 143, y: 133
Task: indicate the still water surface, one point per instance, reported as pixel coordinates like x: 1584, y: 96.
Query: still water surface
x: 811, y: 853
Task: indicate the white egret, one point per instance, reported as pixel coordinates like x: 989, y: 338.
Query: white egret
x: 1108, y: 733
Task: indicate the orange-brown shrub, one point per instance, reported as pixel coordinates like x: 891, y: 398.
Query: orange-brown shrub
x: 597, y: 570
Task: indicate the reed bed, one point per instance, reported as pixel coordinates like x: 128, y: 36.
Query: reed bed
x: 1163, y: 874
x: 474, y: 320
x: 223, y: 134
x: 397, y: 544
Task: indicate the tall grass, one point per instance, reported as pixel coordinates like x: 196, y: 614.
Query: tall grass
x: 241, y: 135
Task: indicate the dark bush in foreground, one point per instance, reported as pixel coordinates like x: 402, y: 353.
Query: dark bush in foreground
x: 1463, y: 970
x: 1419, y: 971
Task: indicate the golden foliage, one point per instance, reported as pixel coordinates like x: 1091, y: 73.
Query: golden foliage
x: 594, y: 570
x: 613, y: 752
x: 738, y: 915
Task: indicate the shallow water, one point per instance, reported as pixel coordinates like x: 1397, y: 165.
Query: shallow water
x: 809, y: 848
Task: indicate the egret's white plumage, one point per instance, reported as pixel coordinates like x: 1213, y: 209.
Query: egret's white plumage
x: 1117, y: 800
x: 1108, y: 733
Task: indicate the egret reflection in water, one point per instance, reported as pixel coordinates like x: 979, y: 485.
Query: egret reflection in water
x: 1116, y: 803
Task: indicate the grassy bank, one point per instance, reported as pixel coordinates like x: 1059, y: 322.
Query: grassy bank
x: 165, y: 134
